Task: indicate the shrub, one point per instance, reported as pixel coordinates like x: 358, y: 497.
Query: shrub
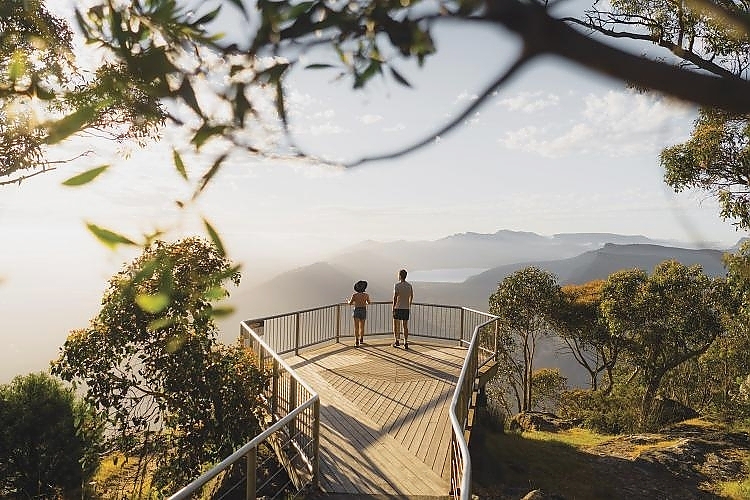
x: 49, y: 437
x: 609, y: 414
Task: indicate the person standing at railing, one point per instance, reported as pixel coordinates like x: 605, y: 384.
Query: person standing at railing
x: 360, y: 300
x: 403, y: 294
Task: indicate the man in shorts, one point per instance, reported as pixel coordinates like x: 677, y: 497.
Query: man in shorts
x: 402, y: 297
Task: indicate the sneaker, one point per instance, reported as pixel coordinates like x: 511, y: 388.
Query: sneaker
x: 396, y: 344
x: 406, y: 345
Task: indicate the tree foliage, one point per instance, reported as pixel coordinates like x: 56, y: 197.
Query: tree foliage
x: 50, y: 439
x: 582, y: 328
x: 151, y: 360
x: 706, y: 36
x: 547, y: 386
x: 45, y: 96
x: 715, y: 159
x: 524, y: 301
x: 164, y: 51
x: 664, y: 319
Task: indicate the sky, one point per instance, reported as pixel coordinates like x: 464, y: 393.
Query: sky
x: 559, y: 149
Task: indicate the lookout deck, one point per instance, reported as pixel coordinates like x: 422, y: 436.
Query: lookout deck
x: 385, y: 427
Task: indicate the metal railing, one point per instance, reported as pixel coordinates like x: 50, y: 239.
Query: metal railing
x: 481, y: 351
x: 290, y: 332
x: 292, y: 436
x: 294, y: 407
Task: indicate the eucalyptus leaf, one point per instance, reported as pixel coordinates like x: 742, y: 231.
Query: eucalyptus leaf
x: 222, y: 312
x: 179, y: 164
x: 69, y: 125
x: 210, y: 174
x: 161, y: 323
x: 215, y: 293
x: 85, y: 177
x: 215, y: 238
x: 109, y: 238
x: 152, y: 303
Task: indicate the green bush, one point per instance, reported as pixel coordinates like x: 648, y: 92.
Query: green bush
x: 614, y: 413
x: 50, y: 439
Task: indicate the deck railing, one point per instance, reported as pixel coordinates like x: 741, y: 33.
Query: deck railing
x: 294, y: 406
x: 482, y: 350
x: 293, y: 426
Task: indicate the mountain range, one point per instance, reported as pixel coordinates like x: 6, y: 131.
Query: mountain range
x: 573, y: 258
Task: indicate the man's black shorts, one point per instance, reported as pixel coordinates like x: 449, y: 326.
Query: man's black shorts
x: 402, y: 314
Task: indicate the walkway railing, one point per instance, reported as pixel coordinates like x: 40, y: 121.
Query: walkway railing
x: 293, y: 419
x: 482, y: 351
x: 294, y: 407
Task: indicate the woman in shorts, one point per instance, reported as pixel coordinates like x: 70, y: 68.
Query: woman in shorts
x: 359, y: 300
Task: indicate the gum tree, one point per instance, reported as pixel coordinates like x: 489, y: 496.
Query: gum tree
x: 50, y: 439
x: 580, y: 325
x: 151, y: 360
x: 524, y: 301
x: 664, y: 319
x: 46, y: 95
x: 709, y: 37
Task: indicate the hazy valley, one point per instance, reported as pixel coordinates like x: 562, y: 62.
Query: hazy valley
x: 573, y: 258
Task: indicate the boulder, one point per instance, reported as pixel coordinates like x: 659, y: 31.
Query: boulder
x: 668, y: 411
x: 540, y: 421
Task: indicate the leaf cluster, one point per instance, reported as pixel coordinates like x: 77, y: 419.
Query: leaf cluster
x: 715, y: 159
x: 152, y: 361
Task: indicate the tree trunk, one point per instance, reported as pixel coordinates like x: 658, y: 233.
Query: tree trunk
x: 646, y: 422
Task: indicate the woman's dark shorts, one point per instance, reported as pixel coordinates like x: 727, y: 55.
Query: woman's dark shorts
x: 360, y: 313
x: 402, y: 314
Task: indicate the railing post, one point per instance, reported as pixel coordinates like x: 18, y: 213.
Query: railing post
x: 316, y: 444
x: 338, y: 322
x: 292, y: 405
x: 275, y: 389
x: 296, y: 334
x: 462, y: 323
x: 252, y: 462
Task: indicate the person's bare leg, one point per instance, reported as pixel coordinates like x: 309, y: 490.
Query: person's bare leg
x: 406, y: 334
x: 362, y: 332
x: 396, y: 332
x: 357, y: 331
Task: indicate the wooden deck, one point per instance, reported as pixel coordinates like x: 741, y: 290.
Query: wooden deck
x: 385, y: 428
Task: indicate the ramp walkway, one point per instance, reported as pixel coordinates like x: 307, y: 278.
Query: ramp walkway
x: 385, y: 427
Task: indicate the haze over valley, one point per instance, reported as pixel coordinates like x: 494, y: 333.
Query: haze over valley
x: 462, y: 269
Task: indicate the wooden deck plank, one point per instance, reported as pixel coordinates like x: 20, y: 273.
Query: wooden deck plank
x: 430, y: 424
x: 383, y: 415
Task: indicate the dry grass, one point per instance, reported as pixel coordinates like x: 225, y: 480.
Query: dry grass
x: 583, y: 465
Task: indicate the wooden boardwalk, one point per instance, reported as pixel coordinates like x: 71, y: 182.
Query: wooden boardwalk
x: 385, y: 428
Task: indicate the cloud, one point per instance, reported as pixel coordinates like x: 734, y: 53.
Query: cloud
x: 529, y: 102
x: 465, y: 96
x: 327, y: 128
x: 395, y: 128
x: 615, y: 124
x: 370, y: 119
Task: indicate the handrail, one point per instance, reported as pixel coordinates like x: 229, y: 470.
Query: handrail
x: 461, y: 401
x: 293, y: 331
x: 250, y: 448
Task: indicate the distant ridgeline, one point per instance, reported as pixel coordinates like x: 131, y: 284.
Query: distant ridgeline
x: 574, y: 258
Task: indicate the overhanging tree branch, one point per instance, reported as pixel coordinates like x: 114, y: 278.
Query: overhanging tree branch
x: 674, y: 48
x: 452, y: 124
x: 542, y: 33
